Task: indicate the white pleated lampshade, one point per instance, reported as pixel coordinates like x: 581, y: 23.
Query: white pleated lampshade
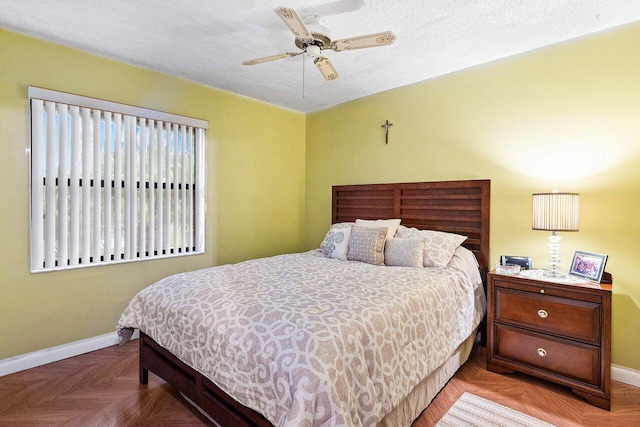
x: 556, y: 211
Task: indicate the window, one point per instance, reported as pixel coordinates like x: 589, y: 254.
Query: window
x: 112, y: 182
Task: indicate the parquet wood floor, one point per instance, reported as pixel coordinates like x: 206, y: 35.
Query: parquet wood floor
x: 101, y: 389
x: 541, y: 399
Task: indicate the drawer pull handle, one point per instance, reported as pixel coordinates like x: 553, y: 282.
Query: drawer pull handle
x: 543, y: 314
x: 542, y: 352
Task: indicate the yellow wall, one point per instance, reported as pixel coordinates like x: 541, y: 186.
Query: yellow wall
x: 255, y: 194
x: 566, y: 117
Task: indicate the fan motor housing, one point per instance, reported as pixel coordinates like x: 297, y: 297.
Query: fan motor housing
x: 319, y: 40
x: 320, y: 33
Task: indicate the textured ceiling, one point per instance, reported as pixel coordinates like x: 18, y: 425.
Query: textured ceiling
x: 206, y: 41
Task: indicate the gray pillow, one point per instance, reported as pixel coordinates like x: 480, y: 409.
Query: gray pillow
x: 438, y: 246
x: 366, y: 244
x: 404, y: 252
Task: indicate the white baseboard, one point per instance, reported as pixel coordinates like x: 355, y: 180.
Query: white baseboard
x: 625, y: 375
x: 64, y: 351
x: 60, y: 352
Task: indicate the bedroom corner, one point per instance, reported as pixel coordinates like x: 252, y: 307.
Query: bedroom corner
x: 563, y: 117
x: 255, y: 190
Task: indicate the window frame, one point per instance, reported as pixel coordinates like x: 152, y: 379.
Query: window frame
x: 170, y: 132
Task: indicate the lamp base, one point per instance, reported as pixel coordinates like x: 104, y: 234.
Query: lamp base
x: 554, y: 256
x: 555, y: 274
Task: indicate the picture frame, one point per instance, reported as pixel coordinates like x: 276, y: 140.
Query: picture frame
x: 588, y: 265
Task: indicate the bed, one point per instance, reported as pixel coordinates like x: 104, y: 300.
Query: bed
x: 337, y: 342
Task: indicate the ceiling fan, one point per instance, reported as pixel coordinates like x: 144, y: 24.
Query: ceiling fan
x: 313, y: 38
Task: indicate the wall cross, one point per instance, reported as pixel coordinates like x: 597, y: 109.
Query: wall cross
x: 386, y: 127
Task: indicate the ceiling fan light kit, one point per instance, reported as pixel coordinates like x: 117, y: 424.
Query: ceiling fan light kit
x: 312, y: 37
x: 313, y: 51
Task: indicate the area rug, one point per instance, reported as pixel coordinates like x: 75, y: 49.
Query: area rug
x: 471, y: 411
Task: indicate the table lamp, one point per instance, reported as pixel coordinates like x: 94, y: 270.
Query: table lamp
x: 555, y: 212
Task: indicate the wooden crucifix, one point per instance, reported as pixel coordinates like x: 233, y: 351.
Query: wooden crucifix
x: 386, y: 127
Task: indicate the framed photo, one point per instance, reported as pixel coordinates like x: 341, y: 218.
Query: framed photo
x: 588, y: 265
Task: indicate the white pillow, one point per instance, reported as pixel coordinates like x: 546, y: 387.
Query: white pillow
x: 366, y: 244
x: 438, y: 246
x: 391, y: 224
x: 342, y: 225
x: 404, y: 252
x: 336, y: 243
x: 465, y: 261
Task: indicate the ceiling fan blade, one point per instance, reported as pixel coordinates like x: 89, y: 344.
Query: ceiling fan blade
x: 361, y: 42
x: 326, y: 68
x: 271, y: 58
x: 295, y: 24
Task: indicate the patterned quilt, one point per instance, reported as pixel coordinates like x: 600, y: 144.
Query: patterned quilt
x: 307, y: 340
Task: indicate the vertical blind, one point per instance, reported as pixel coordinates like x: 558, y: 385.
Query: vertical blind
x: 112, y: 182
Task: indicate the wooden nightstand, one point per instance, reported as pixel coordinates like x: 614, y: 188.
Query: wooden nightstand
x: 557, y: 332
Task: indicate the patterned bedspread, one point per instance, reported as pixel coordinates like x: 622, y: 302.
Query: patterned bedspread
x: 307, y: 340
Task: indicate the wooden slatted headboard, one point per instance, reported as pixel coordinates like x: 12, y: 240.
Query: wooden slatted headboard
x: 460, y: 207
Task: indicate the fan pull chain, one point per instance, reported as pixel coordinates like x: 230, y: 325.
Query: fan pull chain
x: 304, y: 55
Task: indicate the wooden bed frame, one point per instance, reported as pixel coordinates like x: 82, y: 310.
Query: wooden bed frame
x: 460, y: 207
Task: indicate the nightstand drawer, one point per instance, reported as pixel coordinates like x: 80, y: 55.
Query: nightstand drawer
x: 566, y: 358
x: 571, y: 318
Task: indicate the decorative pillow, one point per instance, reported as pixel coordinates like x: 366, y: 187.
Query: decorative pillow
x: 438, y: 246
x: 404, y: 252
x: 366, y: 244
x: 336, y: 243
x: 391, y: 224
x: 342, y: 225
